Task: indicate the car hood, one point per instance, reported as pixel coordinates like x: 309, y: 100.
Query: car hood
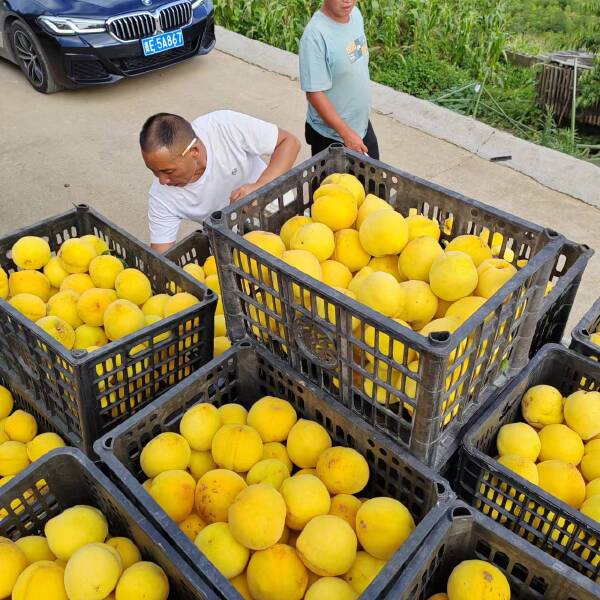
x: 98, y: 8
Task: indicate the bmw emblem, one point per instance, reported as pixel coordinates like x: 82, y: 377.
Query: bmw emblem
x: 146, y: 2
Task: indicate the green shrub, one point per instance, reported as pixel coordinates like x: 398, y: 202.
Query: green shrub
x: 590, y: 87
x: 421, y: 76
x: 514, y: 90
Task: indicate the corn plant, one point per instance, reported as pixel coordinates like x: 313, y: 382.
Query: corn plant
x: 467, y: 33
x: 275, y: 22
x: 281, y: 22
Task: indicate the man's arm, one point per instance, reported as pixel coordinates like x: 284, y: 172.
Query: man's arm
x: 321, y: 103
x: 286, y: 151
x: 162, y: 248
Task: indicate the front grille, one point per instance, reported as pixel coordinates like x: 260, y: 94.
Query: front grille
x: 137, y: 64
x: 133, y: 27
x: 88, y: 70
x: 175, y: 16
x: 144, y: 24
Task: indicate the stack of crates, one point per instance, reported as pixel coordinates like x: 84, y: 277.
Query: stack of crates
x: 456, y: 372
x: 83, y: 394
x: 300, y: 340
x: 243, y: 375
x: 464, y: 534
x: 520, y: 506
x: 66, y: 478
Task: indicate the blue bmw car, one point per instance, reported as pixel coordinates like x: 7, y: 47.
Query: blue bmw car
x: 74, y: 43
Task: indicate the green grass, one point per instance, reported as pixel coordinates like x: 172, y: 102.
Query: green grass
x: 421, y: 76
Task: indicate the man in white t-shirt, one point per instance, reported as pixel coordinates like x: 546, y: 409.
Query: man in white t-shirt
x: 202, y: 166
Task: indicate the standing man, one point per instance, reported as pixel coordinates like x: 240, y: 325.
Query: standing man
x: 205, y: 165
x: 334, y: 73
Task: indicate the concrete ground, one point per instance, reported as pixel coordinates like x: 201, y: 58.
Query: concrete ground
x: 81, y: 146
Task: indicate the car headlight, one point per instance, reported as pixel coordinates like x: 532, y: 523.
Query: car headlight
x: 70, y: 26
x: 197, y: 4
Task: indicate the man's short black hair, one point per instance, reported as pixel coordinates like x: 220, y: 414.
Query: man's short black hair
x: 164, y: 130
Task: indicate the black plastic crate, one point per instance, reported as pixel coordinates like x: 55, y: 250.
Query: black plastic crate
x: 566, y: 276
x: 580, y: 336
x: 520, y: 506
x: 463, y: 534
x: 25, y: 401
x: 424, y: 411
x: 86, y: 395
x: 194, y: 248
x: 65, y: 478
x: 244, y: 374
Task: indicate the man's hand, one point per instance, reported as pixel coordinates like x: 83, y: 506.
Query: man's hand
x: 321, y: 103
x: 282, y: 160
x: 353, y: 141
x: 242, y: 192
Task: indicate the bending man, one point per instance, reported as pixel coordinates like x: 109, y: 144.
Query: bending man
x: 202, y: 166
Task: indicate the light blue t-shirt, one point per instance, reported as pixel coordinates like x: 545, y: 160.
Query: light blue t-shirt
x: 334, y: 58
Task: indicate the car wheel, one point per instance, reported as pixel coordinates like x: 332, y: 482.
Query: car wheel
x: 31, y: 59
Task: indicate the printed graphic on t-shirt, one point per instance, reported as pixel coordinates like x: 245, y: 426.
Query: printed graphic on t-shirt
x: 357, y: 49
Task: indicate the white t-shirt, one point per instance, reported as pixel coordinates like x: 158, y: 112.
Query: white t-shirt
x: 234, y: 144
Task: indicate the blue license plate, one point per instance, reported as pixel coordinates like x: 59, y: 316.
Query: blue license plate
x: 162, y: 42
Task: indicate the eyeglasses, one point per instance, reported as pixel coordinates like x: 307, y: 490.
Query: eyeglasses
x: 189, y: 147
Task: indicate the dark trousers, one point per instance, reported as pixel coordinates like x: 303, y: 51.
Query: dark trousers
x: 318, y: 142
